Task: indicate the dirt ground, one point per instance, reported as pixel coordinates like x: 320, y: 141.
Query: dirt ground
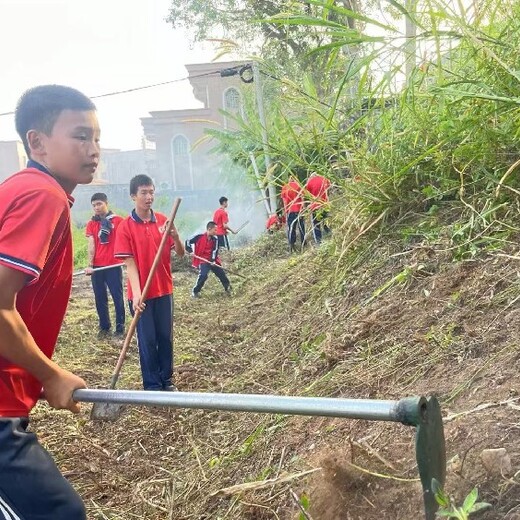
x: 402, y: 323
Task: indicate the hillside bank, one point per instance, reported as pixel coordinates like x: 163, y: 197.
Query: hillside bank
x: 388, y: 320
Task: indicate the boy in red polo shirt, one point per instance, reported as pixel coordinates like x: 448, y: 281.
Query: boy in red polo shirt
x: 101, y: 235
x: 221, y: 219
x: 293, y: 204
x: 137, y: 241
x: 205, y: 246
x: 317, y: 188
x: 60, y: 133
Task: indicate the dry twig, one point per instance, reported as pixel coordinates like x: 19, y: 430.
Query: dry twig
x: 255, y: 486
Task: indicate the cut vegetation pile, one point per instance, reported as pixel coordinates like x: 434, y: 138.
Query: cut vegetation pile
x: 403, y: 322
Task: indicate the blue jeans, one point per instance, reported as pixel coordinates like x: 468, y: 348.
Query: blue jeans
x: 31, y: 485
x: 295, y: 219
x: 318, y: 218
x: 113, y: 279
x: 155, y: 340
x: 203, y: 276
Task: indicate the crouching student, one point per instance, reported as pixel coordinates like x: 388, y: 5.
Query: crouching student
x: 60, y: 133
x: 275, y: 222
x: 205, y: 249
x: 137, y: 242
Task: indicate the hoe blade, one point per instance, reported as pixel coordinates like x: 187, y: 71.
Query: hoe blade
x: 106, y: 411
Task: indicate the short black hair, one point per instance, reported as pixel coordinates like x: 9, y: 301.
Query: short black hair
x: 40, y: 107
x: 99, y: 196
x: 211, y: 224
x: 222, y: 200
x: 140, y: 180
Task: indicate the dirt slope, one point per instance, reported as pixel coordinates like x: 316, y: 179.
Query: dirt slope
x: 401, y: 323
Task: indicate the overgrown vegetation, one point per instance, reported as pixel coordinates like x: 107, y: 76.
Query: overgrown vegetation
x: 434, y: 152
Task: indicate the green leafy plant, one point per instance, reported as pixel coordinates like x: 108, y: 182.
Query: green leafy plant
x: 304, y: 506
x: 450, y: 510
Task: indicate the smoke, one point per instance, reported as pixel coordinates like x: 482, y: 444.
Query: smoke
x: 197, y: 206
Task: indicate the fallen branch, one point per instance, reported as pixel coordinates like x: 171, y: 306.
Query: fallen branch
x: 479, y: 408
x: 371, y: 451
x: 380, y: 475
x: 261, y: 484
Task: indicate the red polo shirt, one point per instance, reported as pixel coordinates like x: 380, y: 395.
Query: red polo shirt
x: 140, y: 240
x: 292, y: 197
x: 206, y: 247
x: 104, y: 252
x: 221, y: 218
x: 35, y: 238
x: 318, y: 188
x: 274, y: 221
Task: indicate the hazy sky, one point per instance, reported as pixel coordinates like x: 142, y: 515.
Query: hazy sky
x: 96, y: 46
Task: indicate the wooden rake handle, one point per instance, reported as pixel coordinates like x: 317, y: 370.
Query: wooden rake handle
x: 144, y: 293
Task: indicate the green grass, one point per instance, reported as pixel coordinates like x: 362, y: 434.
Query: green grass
x: 80, y: 247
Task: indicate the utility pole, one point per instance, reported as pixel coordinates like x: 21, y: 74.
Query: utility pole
x: 260, y: 186
x: 411, y: 40
x: 261, y: 114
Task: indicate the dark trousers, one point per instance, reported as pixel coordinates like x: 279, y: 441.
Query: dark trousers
x: 295, y: 219
x: 155, y: 340
x: 223, y: 241
x: 31, y: 485
x: 319, y: 218
x: 113, y: 279
x: 203, y: 276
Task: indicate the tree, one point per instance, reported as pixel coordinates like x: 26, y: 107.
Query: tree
x: 250, y: 24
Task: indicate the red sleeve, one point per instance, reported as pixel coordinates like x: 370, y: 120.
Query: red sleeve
x: 123, y: 245
x: 27, y: 226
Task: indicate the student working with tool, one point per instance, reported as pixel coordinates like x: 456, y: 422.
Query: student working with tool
x: 221, y: 219
x: 205, y: 258
x: 60, y: 132
x: 292, y: 198
x: 101, y: 235
x: 317, y: 188
x: 138, y: 238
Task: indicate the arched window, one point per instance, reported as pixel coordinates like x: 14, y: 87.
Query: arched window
x: 232, y: 101
x: 181, y: 161
x: 180, y: 146
x: 233, y: 104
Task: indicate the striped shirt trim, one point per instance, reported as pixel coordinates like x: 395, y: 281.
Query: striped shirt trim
x: 123, y: 255
x: 20, y: 265
x: 6, y: 510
